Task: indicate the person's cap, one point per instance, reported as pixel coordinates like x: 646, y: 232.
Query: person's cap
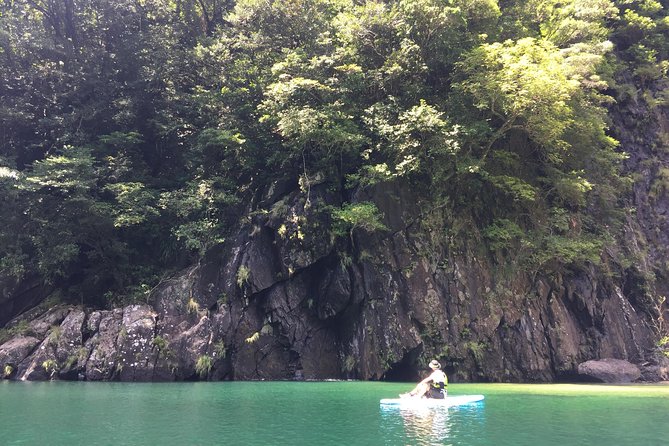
x: 434, y: 364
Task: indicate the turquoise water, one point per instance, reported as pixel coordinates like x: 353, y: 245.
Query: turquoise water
x: 327, y: 413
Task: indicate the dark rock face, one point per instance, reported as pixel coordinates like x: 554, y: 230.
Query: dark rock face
x: 268, y: 306
x: 106, y: 328
x: 18, y: 296
x: 658, y: 371
x: 610, y: 370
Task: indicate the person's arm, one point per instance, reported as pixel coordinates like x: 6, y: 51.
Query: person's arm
x: 428, y: 379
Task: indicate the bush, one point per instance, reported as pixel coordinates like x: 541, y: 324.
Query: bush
x: 203, y: 365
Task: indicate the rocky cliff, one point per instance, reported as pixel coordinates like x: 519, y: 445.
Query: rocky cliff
x: 284, y: 299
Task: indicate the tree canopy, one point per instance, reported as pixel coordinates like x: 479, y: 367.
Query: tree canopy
x: 132, y: 133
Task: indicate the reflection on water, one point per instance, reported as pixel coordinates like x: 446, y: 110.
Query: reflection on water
x: 430, y: 426
x: 426, y: 426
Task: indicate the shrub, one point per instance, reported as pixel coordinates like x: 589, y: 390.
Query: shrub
x: 364, y: 215
x: 253, y: 338
x: 243, y: 274
x: 203, y: 366
x: 349, y: 363
x: 192, y: 306
x: 219, y: 349
x: 160, y: 343
x: 50, y: 366
x: 55, y: 334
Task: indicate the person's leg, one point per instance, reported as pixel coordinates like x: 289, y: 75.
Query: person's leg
x: 417, y: 392
x: 422, y: 390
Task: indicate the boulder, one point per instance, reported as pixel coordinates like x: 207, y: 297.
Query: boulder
x: 102, y: 362
x: 60, y: 353
x: 653, y: 371
x: 610, y: 370
x: 187, y: 347
x: 70, y: 353
x: 41, y: 365
x: 136, y: 352
x: 41, y: 326
x: 13, y: 352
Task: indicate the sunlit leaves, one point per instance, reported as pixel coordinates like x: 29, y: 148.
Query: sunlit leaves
x: 361, y: 215
x: 368, y: 33
x: 304, y: 107
x: 503, y: 234
x: 198, y: 212
x: 135, y: 204
x: 286, y: 91
x: 413, y: 138
x: 529, y: 85
x: 166, y: 116
x: 69, y: 172
x: 516, y: 188
x: 577, y: 21
x: 7, y: 174
x: 217, y: 151
x: 324, y: 129
x: 281, y: 23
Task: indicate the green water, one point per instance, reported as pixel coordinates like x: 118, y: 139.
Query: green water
x: 328, y: 413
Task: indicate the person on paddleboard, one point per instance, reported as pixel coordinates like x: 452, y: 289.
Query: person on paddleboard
x: 434, y: 386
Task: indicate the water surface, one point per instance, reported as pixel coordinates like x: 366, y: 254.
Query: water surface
x: 326, y: 413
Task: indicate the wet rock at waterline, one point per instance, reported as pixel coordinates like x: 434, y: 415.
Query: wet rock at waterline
x: 610, y: 370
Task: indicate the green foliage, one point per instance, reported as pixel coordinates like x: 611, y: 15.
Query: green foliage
x: 5, y: 335
x: 503, y: 234
x: 349, y: 363
x: 54, y: 334
x: 135, y: 203
x: 662, y: 344
x: 569, y: 251
x: 163, y: 347
x: 222, y: 300
x: 203, y: 365
x: 192, y: 307
x: 253, y: 338
x: 477, y: 349
x: 516, y: 188
x: 363, y: 215
x: 243, y: 275
x: 22, y: 328
x: 135, y: 139
x: 576, y: 20
x: 220, y: 350
x: 50, y: 366
x: 160, y: 343
x: 415, y: 140
x: 70, y: 361
x: 68, y: 173
x: 196, y: 209
x: 528, y: 85
x: 660, y: 185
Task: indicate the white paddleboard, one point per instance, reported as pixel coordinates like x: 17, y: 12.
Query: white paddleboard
x: 449, y: 401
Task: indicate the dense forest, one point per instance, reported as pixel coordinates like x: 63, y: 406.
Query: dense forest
x: 137, y: 135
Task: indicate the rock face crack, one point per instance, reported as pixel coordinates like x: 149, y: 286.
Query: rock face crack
x: 625, y: 306
x: 549, y: 342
